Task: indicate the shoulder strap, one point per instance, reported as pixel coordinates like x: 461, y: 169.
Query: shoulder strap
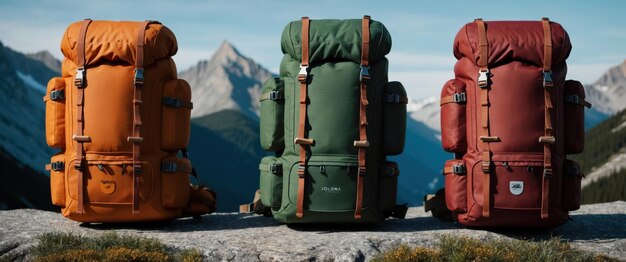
x: 362, y: 144
x: 80, y: 81
x: 547, y: 139
x: 301, y: 139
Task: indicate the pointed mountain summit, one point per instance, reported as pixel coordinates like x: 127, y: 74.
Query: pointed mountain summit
x: 229, y: 80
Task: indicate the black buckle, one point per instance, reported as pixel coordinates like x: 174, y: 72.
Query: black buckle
x: 276, y: 95
x: 56, y: 95
x: 362, y: 171
x: 301, y: 171
x: 547, y: 79
x: 79, y: 79
x: 389, y: 171
x: 138, y: 77
x: 275, y: 169
x: 392, y: 98
x: 459, y: 169
x: 171, y: 102
x: 574, y: 99
x: 459, y: 97
x: 57, y: 166
x: 169, y: 167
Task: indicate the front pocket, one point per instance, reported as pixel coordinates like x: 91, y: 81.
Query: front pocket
x: 271, y: 183
x: 55, y: 112
x: 394, y: 118
x: 453, y: 104
x: 175, y: 184
x: 388, y: 186
x: 571, y: 185
x: 176, y: 120
x: 330, y: 184
x: 272, y: 114
x: 574, y: 117
x: 517, y: 184
x: 110, y: 182
x: 57, y: 179
x: 455, y: 173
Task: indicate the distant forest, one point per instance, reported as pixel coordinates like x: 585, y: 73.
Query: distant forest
x: 606, y: 189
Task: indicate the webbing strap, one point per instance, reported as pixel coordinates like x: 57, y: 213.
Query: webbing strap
x: 548, y: 138
x: 80, y: 83
x: 301, y: 139
x: 136, y: 139
x: 362, y: 144
x: 483, y: 83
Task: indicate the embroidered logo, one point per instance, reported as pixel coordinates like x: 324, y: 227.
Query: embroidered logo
x: 516, y: 187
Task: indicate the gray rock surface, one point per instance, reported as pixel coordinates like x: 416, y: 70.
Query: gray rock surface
x: 234, y: 237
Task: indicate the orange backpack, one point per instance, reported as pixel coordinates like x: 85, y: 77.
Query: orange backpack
x: 121, y: 119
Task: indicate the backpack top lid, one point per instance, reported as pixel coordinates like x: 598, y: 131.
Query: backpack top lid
x: 333, y: 39
x: 512, y: 40
x: 114, y: 41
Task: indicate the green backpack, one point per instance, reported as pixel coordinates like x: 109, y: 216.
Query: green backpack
x: 332, y: 118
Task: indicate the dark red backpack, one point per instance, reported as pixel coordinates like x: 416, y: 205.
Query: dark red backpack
x: 511, y: 118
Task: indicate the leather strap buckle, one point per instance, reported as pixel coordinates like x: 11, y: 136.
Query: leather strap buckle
x: 459, y: 97
x: 138, y: 77
x: 276, y: 95
x: 303, y: 74
x: 359, y: 143
x: 79, y: 79
x: 547, y: 139
x: 57, y: 166
x: 459, y: 169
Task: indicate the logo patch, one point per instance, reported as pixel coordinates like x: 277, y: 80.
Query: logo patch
x: 516, y: 187
x: 107, y: 186
x: 331, y: 189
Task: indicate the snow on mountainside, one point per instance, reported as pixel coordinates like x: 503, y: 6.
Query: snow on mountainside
x: 228, y: 80
x: 608, y: 94
x: 425, y: 111
x: 22, y: 84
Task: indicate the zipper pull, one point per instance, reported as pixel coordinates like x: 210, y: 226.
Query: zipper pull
x: 506, y: 165
x: 323, y: 169
x: 101, y: 167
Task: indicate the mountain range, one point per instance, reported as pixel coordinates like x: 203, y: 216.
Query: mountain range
x: 224, y: 145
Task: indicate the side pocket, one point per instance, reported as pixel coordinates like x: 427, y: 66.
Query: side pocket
x: 55, y: 112
x: 453, y: 103
x: 394, y: 118
x: 574, y: 117
x: 176, y: 120
x: 272, y: 114
x: 175, y: 182
x: 57, y: 179
x: 388, y: 186
x: 271, y: 183
x: 456, y: 185
x: 571, y: 185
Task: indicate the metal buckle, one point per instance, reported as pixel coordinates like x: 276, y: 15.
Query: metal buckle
x: 392, y: 98
x: 547, y: 139
x: 57, y: 166
x: 303, y: 74
x: 547, y: 79
x: 486, y: 166
x: 276, y: 95
x: 169, y: 167
x: 365, y: 73
x: 79, y: 79
x: 459, y: 97
x: 137, y: 169
x: 301, y: 171
x: 56, y: 95
x: 458, y: 169
x: 274, y: 169
x: 138, y: 77
x: 389, y: 171
x: 483, y: 78
x: 547, y: 172
x: 362, y: 171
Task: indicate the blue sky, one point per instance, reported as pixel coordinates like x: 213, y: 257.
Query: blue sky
x: 422, y: 31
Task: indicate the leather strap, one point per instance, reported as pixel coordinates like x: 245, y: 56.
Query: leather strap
x: 136, y: 139
x: 483, y: 83
x: 80, y: 83
x: 454, y: 98
x: 547, y: 86
x: 301, y: 139
x: 362, y: 144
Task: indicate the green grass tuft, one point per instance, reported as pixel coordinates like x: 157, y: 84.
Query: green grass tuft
x: 107, y: 247
x: 460, y: 249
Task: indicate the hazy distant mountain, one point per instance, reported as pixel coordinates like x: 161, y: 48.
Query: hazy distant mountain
x: 229, y: 80
x: 47, y: 59
x: 608, y: 93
